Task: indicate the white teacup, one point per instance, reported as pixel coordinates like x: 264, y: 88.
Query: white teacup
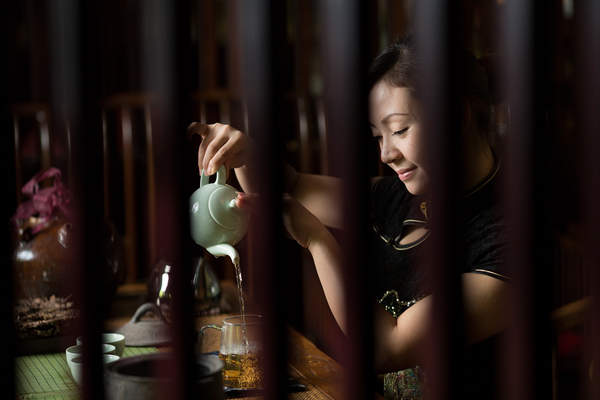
x: 76, y: 365
x: 115, y: 339
x: 77, y: 351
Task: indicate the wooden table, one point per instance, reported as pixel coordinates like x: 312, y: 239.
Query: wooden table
x: 321, y: 374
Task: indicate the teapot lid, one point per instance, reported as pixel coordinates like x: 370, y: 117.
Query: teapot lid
x: 153, y: 332
x: 222, y: 208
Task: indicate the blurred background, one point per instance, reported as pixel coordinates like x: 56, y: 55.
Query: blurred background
x: 109, y: 78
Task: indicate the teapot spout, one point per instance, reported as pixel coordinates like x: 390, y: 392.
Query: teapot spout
x: 221, y: 250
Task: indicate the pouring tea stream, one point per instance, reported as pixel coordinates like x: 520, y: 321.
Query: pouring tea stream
x: 217, y: 224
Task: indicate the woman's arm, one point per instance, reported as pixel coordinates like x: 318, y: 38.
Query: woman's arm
x: 310, y: 233
x: 322, y: 196
x: 399, y: 340
x: 224, y: 145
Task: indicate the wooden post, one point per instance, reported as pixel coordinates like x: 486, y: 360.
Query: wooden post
x: 345, y: 54
x: 262, y: 29
x: 439, y: 44
x: 587, y: 16
x: 526, y: 37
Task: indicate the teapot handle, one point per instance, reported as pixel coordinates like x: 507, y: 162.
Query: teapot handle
x: 221, y: 176
x: 143, y: 309
x: 212, y: 326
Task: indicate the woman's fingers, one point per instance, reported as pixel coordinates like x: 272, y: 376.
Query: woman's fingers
x: 217, y: 144
x: 247, y: 201
x: 198, y: 128
x: 221, y: 144
x: 230, y: 154
x: 202, y: 150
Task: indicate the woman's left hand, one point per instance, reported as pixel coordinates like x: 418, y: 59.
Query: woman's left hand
x: 300, y: 223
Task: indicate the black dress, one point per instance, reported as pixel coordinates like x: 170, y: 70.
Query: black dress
x: 400, y: 282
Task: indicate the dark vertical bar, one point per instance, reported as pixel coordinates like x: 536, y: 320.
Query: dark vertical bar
x: 262, y: 27
x: 234, y: 74
x: 304, y: 11
x: 150, y: 181
x: 526, y: 37
x: 44, y: 122
x: 544, y: 186
x: 517, y: 38
x: 7, y: 153
x: 105, y: 162
x: 440, y: 45
x: 69, y: 155
x: 587, y: 16
x: 345, y: 53
x: 164, y: 27
x: 398, y: 22
x: 430, y: 27
x: 208, y: 53
x: 126, y: 134
x: 72, y: 92
x: 7, y: 373
x: 17, y: 152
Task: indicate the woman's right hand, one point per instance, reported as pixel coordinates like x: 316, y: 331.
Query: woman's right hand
x: 221, y: 145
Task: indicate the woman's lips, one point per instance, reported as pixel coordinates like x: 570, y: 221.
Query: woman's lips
x: 405, y: 174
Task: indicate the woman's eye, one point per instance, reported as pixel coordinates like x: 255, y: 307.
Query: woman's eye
x: 401, y: 131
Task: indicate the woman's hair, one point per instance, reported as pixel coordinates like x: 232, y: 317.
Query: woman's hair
x: 397, y: 65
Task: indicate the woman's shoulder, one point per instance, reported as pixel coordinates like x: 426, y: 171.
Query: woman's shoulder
x: 486, y: 242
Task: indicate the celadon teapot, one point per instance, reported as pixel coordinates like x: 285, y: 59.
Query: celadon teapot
x: 216, y: 222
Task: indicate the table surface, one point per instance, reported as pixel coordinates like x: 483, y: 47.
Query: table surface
x: 321, y: 374
x: 47, y: 375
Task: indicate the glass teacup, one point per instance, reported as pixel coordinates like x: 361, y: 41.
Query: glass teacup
x: 241, y: 351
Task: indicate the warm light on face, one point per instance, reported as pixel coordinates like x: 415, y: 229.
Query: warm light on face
x: 392, y: 113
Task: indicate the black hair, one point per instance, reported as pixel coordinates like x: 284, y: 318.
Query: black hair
x: 397, y: 65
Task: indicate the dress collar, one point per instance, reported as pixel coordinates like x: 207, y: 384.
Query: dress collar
x: 419, y: 209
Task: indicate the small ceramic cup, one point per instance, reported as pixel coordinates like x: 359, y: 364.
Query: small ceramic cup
x: 76, y: 365
x: 76, y: 351
x: 115, y: 339
x: 109, y: 349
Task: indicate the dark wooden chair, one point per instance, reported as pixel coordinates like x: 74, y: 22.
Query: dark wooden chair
x: 128, y: 154
x: 219, y: 105
x: 306, y: 141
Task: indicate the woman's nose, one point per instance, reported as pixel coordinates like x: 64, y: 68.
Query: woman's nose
x: 388, y: 153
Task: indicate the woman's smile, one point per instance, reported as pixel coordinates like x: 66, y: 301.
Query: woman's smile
x: 406, y: 173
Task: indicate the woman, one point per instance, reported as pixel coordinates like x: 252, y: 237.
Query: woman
x: 399, y: 222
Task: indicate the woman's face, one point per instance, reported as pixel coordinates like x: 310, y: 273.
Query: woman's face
x: 392, y: 113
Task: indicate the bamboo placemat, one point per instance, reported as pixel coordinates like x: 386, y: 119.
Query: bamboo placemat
x: 47, y: 376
